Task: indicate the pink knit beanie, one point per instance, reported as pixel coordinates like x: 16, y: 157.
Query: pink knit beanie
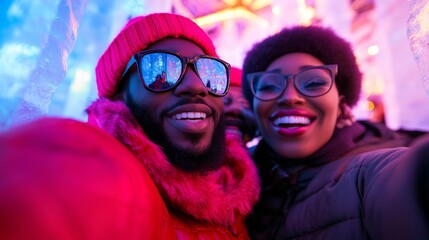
x: 236, y: 74
x: 136, y: 36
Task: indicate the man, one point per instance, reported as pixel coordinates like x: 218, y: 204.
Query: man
x: 176, y: 134
x: 239, y: 117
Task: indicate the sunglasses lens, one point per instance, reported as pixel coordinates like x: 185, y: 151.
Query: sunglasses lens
x: 160, y: 71
x: 214, y: 75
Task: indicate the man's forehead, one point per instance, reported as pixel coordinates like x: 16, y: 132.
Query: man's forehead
x: 179, y: 45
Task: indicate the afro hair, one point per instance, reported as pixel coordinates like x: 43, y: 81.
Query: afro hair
x: 319, y: 42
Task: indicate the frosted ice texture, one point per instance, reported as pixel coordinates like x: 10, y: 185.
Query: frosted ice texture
x: 418, y: 34
x: 51, y: 67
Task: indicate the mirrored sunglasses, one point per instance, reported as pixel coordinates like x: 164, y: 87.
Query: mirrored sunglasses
x: 162, y: 70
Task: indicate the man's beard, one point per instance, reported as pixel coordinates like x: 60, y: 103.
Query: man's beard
x: 186, y: 159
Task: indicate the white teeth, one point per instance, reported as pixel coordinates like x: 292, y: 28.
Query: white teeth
x: 190, y: 115
x: 292, y: 120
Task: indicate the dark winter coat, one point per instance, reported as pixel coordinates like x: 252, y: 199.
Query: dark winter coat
x: 346, y: 190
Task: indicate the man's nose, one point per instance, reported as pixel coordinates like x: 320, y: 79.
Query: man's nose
x: 191, y: 84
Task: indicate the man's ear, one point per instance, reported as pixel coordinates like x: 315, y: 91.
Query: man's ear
x: 120, y: 95
x: 345, y: 114
x: 123, y: 84
x: 122, y: 87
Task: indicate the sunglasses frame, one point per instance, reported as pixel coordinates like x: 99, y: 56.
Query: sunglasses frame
x: 136, y: 59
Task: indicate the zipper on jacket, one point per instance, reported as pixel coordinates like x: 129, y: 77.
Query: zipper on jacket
x: 288, y: 189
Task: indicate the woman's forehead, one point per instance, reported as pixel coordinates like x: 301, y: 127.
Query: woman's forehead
x: 294, y: 61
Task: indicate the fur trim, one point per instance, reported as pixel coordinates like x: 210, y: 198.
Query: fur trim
x: 219, y: 196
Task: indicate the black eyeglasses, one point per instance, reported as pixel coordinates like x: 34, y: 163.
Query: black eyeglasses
x: 312, y: 82
x: 162, y: 70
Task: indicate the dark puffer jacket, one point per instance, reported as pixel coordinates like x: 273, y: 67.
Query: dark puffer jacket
x: 345, y: 191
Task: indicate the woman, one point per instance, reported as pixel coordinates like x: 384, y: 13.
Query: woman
x: 324, y: 175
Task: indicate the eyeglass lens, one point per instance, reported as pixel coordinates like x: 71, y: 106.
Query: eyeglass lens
x: 162, y: 71
x: 312, y: 82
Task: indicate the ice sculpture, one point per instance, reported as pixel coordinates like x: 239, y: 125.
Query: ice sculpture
x: 52, y: 63
x: 418, y: 34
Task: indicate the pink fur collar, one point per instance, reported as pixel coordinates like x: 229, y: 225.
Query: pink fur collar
x: 218, y: 196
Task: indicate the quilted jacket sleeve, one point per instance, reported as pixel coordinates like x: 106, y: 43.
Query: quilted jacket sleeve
x: 396, y: 197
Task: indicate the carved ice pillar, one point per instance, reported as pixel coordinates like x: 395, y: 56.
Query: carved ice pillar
x: 406, y: 103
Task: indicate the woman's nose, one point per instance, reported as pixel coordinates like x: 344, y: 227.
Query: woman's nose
x: 291, y: 95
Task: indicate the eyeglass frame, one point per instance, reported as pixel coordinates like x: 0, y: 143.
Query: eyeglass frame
x: 332, y: 68
x: 136, y: 59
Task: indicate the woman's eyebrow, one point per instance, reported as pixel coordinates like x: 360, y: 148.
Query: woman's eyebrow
x: 301, y: 68
x: 305, y: 67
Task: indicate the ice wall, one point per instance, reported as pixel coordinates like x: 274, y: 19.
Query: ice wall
x: 51, y: 66
x: 418, y: 33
